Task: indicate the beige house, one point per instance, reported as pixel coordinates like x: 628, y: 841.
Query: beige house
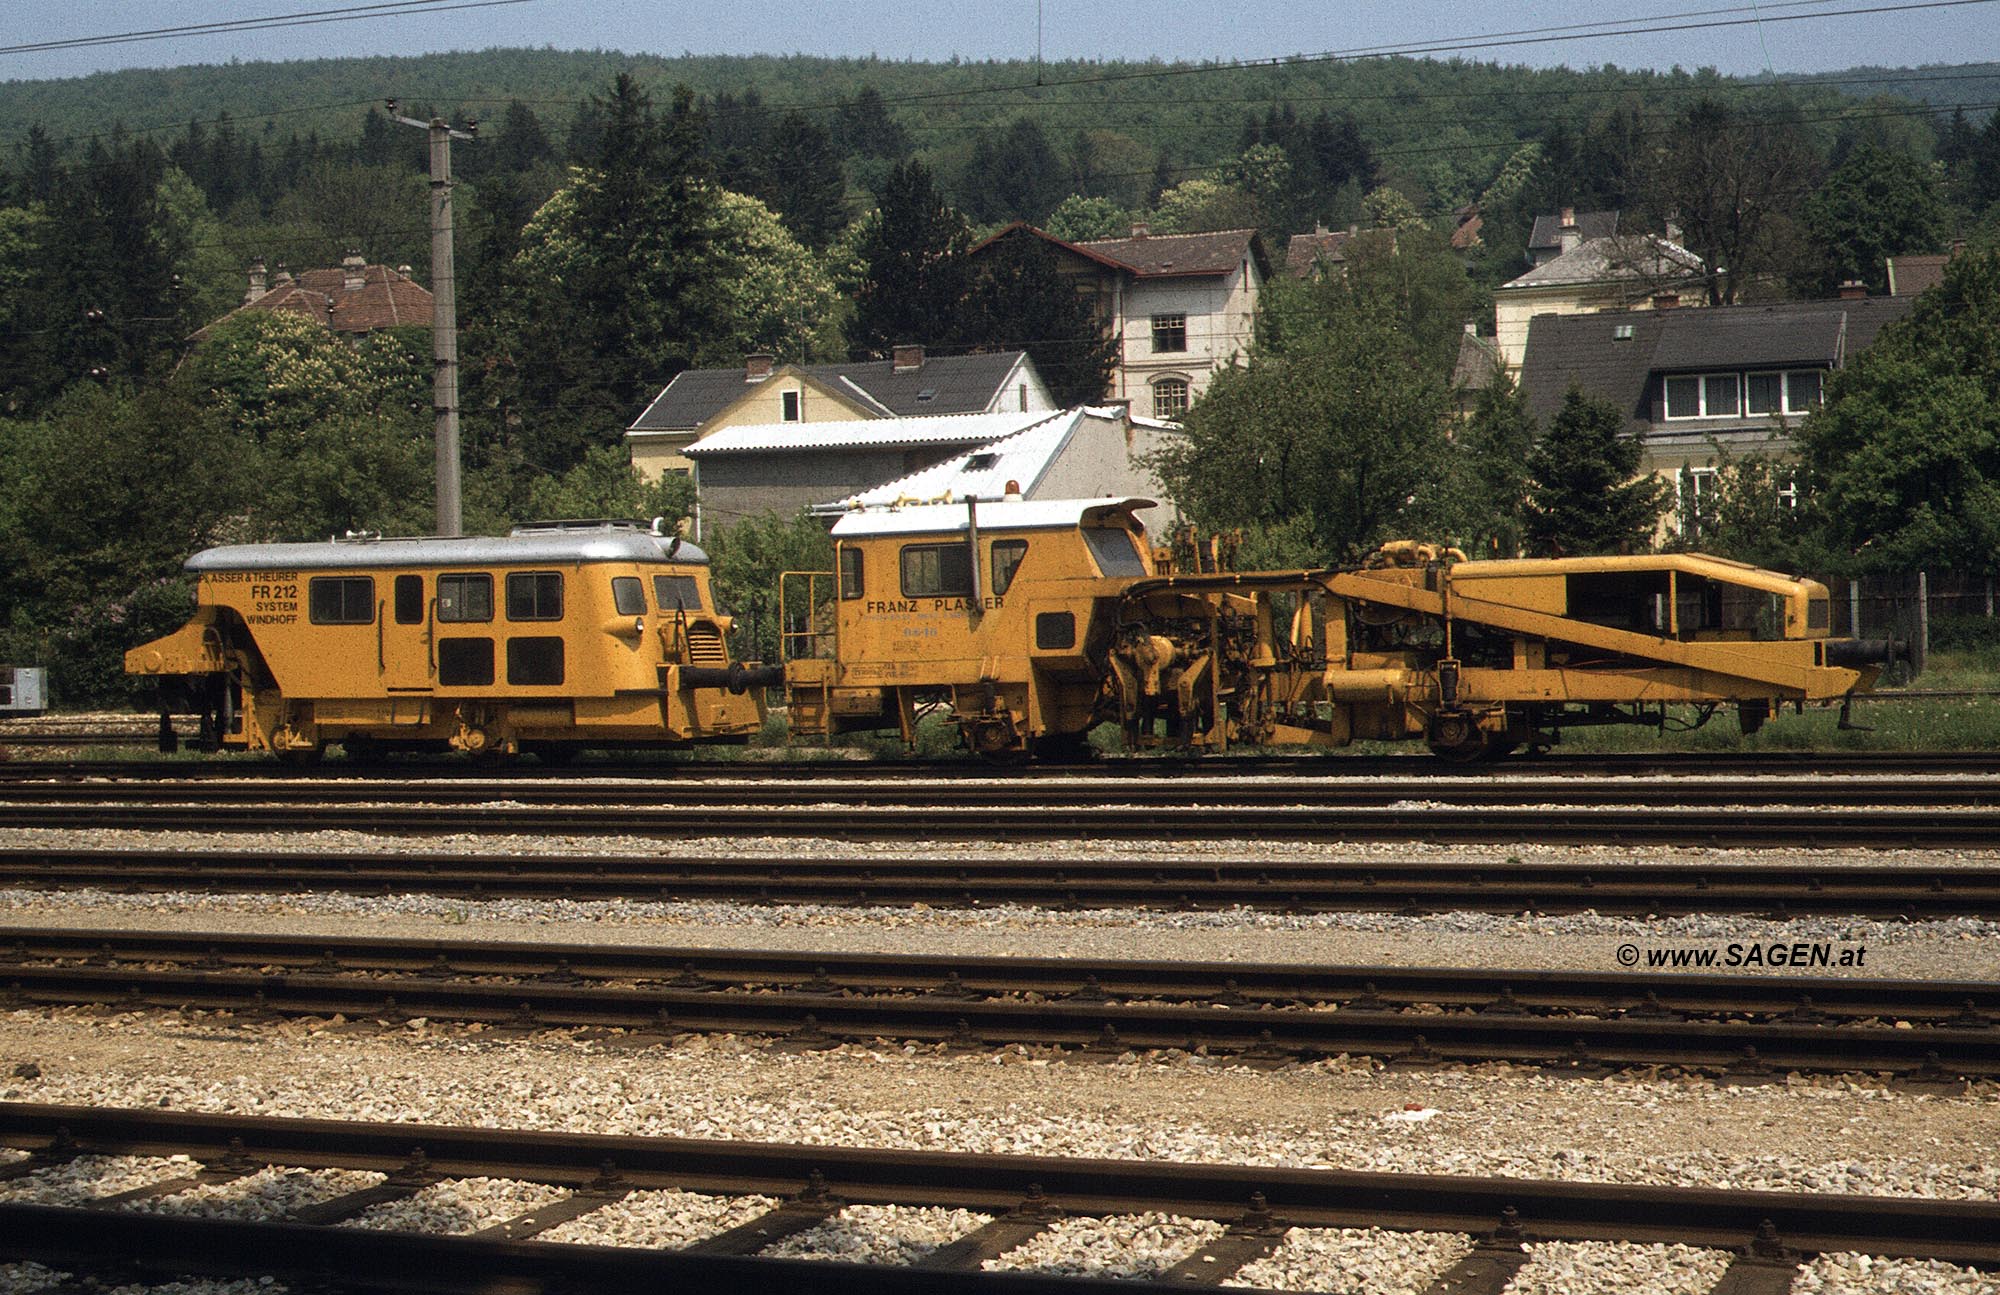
x: 1617, y: 272
x: 1180, y: 305
x: 699, y: 402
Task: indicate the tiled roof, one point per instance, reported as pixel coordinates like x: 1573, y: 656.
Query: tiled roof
x: 1638, y: 257
x: 942, y: 384
x: 1159, y: 255
x: 1589, y: 224
x: 1910, y: 276
x: 1588, y: 349
x: 1478, y: 361
x: 865, y: 433
x: 385, y: 298
x: 1307, y: 250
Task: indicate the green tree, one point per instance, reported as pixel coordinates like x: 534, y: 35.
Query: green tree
x: 801, y: 179
x: 749, y: 558
x: 1496, y: 444
x: 613, y: 292
x: 1905, y: 454
x: 1021, y: 300
x: 1335, y: 425
x: 780, y: 297
x: 913, y: 268
x: 604, y: 484
x: 1199, y: 205
x: 1875, y: 205
x: 1013, y: 175
x: 1584, y: 494
x: 1734, y: 181
x: 1078, y: 219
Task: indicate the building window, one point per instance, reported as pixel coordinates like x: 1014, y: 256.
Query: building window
x: 534, y: 596
x: 790, y: 403
x: 465, y: 598
x: 1734, y: 395
x: 1694, y: 489
x: 1169, y: 333
x: 1170, y: 397
x: 342, y: 600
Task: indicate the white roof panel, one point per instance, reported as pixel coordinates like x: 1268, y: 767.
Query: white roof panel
x: 863, y: 433
x: 994, y: 514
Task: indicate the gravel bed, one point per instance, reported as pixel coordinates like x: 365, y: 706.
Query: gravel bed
x: 1853, y: 1274
x: 1123, y: 1245
x: 879, y: 1234
x: 1355, y: 1261
x: 271, y: 1193
x: 1589, y: 1267
x: 20, y: 1279
x: 87, y: 1178
x: 1959, y: 949
x: 1819, y: 1135
x: 458, y: 1206
x: 663, y: 1220
x: 193, y: 1286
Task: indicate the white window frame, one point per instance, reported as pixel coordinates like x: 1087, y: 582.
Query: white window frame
x: 791, y: 406
x: 1742, y: 380
x: 1169, y: 324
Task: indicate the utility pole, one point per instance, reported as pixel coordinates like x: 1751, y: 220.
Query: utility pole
x: 444, y: 317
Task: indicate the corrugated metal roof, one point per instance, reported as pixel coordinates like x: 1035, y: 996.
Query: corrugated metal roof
x: 865, y: 433
x: 945, y: 519
x: 983, y: 471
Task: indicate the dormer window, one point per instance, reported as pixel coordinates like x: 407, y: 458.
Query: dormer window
x: 1621, y: 332
x: 981, y: 462
x: 927, y: 395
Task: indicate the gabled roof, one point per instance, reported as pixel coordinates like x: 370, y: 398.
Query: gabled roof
x: 1156, y: 256
x: 1910, y: 276
x: 864, y: 433
x: 1478, y: 362
x: 1305, y: 251
x: 1590, y: 350
x: 984, y: 471
x: 385, y: 298
x: 1636, y: 258
x: 1547, y: 232
x: 942, y: 384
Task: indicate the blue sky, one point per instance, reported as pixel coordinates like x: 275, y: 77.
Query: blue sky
x: 939, y: 29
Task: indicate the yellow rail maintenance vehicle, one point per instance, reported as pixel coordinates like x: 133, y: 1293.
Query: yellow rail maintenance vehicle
x: 1034, y: 622
x: 554, y: 637
x: 992, y: 608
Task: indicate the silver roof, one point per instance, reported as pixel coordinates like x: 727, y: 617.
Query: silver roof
x: 565, y: 546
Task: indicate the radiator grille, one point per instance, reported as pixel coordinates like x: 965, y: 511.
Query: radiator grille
x: 705, y: 646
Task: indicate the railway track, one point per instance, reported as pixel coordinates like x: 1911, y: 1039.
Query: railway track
x: 1915, y: 827
x: 1270, y: 884
x: 1769, y: 1233
x: 1745, y: 1028
x: 665, y: 766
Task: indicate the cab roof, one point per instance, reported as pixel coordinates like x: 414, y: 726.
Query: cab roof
x: 993, y: 514
x: 532, y: 545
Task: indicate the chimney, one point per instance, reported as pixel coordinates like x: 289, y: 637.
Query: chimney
x: 353, y: 272
x: 906, y: 358
x: 1567, y: 233
x: 1140, y: 229
x: 284, y: 277
x: 1853, y: 290
x: 1666, y: 300
x: 756, y: 368
x: 259, y: 284
x: 1569, y: 218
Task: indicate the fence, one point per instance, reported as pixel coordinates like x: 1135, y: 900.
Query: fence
x: 1921, y: 608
